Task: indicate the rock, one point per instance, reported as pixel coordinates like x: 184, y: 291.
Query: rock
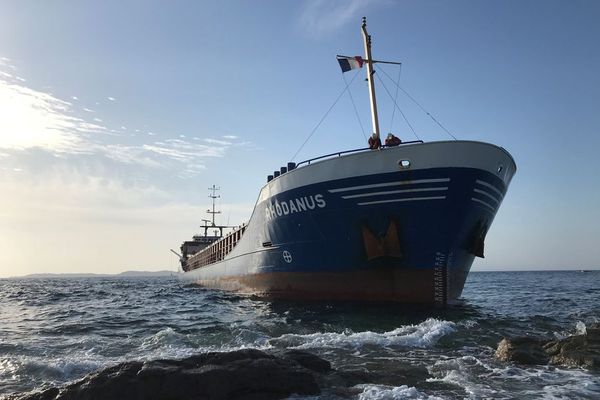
x: 573, y: 351
x: 49, y: 394
x: 242, y: 375
x: 308, y: 360
x: 523, y: 350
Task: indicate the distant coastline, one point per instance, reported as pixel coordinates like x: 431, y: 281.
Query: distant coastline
x: 125, y: 274
x: 539, y: 270
x: 166, y: 273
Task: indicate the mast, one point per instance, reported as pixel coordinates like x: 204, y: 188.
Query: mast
x: 370, y: 72
x: 213, y: 197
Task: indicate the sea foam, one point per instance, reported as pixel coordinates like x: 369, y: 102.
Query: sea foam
x: 423, y: 335
x: 380, y: 392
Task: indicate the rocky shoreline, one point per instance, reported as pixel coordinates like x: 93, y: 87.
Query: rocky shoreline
x: 238, y: 375
x: 574, y: 351
x: 278, y: 374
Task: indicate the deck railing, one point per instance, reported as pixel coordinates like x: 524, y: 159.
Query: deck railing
x: 218, y: 250
x: 339, y: 153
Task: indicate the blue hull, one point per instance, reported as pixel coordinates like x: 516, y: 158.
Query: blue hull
x: 406, y: 235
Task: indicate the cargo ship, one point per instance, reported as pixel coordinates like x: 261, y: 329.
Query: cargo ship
x: 401, y: 223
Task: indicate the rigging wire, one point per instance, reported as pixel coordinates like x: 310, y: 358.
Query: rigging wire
x: 395, y: 97
x: 324, y: 116
x: 419, y: 105
x: 355, y: 109
x: 396, y: 104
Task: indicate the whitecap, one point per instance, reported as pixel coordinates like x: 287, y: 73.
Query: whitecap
x: 469, y: 323
x: 52, y: 370
x: 381, y: 392
x: 165, y: 337
x: 168, y: 343
x: 423, y: 335
x: 580, y: 328
x: 575, y: 388
x: 482, y: 380
x: 463, y: 372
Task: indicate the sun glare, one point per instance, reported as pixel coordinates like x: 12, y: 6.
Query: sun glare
x: 29, y: 118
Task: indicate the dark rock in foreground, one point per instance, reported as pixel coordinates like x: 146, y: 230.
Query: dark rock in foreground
x: 244, y: 374
x: 574, y: 351
x: 522, y: 350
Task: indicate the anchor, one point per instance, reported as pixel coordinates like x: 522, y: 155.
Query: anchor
x: 387, y: 245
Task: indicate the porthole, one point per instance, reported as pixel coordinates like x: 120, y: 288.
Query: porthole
x: 500, y: 168
x: 404, y: 164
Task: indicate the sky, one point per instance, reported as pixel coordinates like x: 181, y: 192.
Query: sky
x: 117, y: 116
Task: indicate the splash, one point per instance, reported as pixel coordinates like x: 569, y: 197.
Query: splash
x: 379, y: 392
x: 423, y: 335
x: 464, y: 372
x: 480, y: 379
x: 580, y: 328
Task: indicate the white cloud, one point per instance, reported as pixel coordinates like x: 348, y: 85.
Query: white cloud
x: 217, y: 141
x: 321, y: 17
x: 231, y: 137
x: 111, y: 98
x: 130, y: 155
x: 29, y: 118
x: 184, y: 151
x: 192, y: 170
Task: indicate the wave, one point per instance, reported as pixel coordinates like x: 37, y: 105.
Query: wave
x: 26, y: 373
x: 463, y: 372
x: 168, y: 343
x: 423, y: 335
x: 490, y: 380
x: 164, y: 337
x: 381, y: 392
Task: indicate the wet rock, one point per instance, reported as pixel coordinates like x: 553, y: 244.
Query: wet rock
x: 243, y: 375
x: 48, y: 394
x: 307, y: 360
x: 573, y: 351
x: 522, y: 350
x: 580, y: 350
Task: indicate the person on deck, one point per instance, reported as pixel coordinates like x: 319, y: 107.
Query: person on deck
x: 374, y: 142
x: 392, y: 140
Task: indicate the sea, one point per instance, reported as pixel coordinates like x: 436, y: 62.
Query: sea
x: 55, y: 331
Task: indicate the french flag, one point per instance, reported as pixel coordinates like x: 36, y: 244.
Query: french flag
x: 348, y: 63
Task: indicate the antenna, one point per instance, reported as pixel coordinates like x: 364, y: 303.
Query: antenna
x: 213, y: 189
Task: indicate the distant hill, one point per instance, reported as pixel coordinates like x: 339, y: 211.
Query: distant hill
x: 61, y: 276
x: 146, y: 273
x: 126, y: 274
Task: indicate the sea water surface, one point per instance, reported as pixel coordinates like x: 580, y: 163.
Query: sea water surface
x: 55, y: 331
